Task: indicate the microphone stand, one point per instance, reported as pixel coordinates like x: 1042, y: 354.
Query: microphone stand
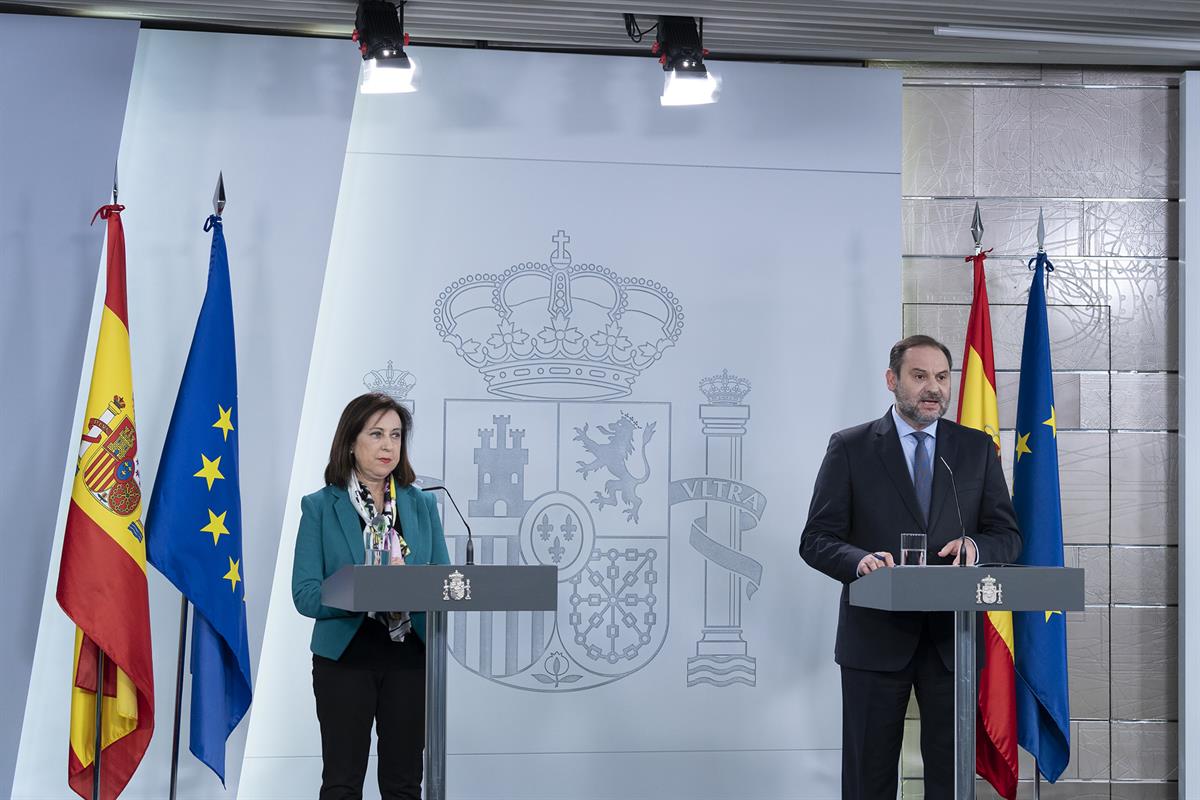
x: 962, y: 540
x: 965, y: 701
x: 470, y: 541
x: 435, y: 678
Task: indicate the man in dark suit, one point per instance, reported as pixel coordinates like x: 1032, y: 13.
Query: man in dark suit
x: 878, y: 480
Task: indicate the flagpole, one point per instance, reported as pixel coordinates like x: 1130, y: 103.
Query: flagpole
x: 1041, y: 248
x: 1041, y: 237
x: 977, y: 230
x: 218, y: 207
x: 99, y: 715
x: 99, y: 707
x: 183, y: 618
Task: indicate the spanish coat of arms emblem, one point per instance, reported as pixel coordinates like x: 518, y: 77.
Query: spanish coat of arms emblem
x: 568, y: 471
x: 108, y: 460
x: 456, y: 587
x: 989, y: 592
x: 565, y: 471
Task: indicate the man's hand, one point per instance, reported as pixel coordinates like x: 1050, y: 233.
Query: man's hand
x: 952, y: 547
x: 873, y: 561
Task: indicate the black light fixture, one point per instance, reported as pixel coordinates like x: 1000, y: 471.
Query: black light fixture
x: 679, y: 45
x: 379, y: 31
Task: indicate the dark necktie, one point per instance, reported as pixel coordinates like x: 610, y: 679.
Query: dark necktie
x: 923, y: 473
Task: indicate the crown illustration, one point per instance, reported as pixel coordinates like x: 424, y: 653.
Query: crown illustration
x: 558, y: 331
x: 725, y: 389
x: 395, y: 383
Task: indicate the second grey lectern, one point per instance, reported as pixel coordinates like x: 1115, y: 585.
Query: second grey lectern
x: 967, y: 591
x: 436, y: 590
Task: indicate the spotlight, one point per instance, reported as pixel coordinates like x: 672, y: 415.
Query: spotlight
x: 683, y: 88
x: 678, y: 43
x: 379, y: 31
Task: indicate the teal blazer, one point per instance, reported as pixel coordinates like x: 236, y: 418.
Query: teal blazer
x: 330, y: 537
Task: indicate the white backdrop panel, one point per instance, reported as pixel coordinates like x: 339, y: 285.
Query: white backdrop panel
x: 606, y: 109
x: 786, y: 277
x: 60, y: 126
x: 273, y: 113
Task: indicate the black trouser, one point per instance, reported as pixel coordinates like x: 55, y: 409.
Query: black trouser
x: 378, y: 681
x: 873, y: 706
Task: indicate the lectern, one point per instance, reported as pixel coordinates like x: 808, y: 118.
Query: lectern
x: 967, y: 591
x: 436, y: 590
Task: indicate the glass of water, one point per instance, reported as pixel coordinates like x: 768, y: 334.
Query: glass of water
x: 912, y: 549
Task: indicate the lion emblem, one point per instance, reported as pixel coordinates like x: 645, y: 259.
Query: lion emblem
x: 613, y: 455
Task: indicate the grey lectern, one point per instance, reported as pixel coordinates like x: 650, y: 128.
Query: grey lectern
x: 966, y: 590
x: 437, y: 590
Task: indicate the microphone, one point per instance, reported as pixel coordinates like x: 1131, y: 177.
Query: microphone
x: 470, y: 541
x: 962, y: 542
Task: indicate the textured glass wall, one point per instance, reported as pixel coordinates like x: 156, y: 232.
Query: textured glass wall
x: 1098, y: 150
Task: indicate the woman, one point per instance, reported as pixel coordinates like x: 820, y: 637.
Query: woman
x: 368, y: 669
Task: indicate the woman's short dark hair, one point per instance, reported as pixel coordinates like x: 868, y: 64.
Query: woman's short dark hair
x: 355, y: 416
x: 896, y: 357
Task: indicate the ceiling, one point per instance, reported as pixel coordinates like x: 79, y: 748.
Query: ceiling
x: 817, y: 30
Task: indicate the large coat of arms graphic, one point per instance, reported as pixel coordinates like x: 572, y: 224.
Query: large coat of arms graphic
x: 563, y: 470
x: 108, y: 461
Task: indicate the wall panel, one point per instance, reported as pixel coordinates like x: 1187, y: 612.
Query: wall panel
x: 1098, y: 150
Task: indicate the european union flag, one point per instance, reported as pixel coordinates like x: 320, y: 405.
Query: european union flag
x: 1040, y: 637
x: 194, y: 527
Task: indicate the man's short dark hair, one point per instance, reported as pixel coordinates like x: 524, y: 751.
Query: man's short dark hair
x: 896, y: 358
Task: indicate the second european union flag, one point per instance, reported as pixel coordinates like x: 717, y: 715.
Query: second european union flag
x: 194, y: 526
x: 1040, y: 637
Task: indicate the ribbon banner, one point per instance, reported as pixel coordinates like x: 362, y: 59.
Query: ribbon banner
x: 749, y: 503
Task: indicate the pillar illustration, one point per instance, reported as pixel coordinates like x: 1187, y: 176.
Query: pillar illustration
x: 731, y: 508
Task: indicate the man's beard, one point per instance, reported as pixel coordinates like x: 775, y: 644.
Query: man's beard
x: 913, y: 411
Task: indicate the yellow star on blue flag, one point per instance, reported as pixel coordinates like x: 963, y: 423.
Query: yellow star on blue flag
x: 232, y: 576
x: 223, y: 421
x: 211, y: 471
x: 216, y: 525
x: 1022, y: 445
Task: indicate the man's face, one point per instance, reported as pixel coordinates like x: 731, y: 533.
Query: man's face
x: 922, y: 388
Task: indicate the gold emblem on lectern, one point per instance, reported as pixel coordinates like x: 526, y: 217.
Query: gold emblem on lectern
x: 456, y: 587
x: 989, y: 592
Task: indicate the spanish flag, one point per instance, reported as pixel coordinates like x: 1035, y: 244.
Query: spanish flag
x: 102, y: 576
x: 996, y: 721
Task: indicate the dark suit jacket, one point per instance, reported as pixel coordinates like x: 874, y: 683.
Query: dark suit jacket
x: 864, y: 499
x: 331, y: 536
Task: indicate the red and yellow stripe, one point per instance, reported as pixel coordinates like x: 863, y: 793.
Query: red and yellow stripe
x: 102, y: 578
x: 996, y: 734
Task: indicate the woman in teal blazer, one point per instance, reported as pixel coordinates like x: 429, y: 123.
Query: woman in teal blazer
x: 368, y: 669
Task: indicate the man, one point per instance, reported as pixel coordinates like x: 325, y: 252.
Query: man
x: 878, y: 480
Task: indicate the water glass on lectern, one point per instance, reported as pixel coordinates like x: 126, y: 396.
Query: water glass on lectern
x: 912, y: 549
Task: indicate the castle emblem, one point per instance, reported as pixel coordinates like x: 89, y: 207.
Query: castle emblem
x: 989, y: 592
x: 564, y: 472
x: 108, y: 460
x: 500, y: 479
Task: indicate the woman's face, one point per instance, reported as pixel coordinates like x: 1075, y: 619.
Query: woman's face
x: 376, y: 449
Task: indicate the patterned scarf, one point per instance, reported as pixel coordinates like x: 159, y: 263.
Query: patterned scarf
x: 379, y: 533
